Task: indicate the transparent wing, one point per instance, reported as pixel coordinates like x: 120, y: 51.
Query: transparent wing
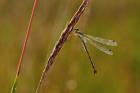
x: 102, y: 40
x: 100, y: 47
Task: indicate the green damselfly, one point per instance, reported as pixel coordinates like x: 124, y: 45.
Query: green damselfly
x: 97, y: 42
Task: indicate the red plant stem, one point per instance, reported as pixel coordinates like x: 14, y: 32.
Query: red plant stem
x: 26, y: 39
x: 61, y: 41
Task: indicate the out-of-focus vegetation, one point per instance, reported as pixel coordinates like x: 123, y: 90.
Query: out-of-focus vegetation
x: 71, y: 73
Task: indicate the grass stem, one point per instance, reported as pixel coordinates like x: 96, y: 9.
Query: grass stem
x: 13, y: 89
x: 65, y: 34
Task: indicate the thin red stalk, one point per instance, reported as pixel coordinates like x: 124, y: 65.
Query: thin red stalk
x: 25, y: 42
x: 61, y: 41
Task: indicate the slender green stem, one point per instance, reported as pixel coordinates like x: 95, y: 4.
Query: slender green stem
x: 13, y: 90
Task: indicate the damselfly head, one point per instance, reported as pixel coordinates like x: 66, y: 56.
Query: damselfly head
x: 77, y: 31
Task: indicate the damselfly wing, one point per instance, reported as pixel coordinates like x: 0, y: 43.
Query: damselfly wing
x: 98, y: 42
x: 102, y: 40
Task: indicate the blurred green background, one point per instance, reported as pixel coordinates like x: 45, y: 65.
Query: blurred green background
x: 71, y: 72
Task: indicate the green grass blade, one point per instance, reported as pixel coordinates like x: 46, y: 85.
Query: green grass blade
x: 13, y: 90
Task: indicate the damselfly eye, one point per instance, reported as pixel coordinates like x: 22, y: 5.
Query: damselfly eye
x: 113, y: 41
x: 77, y: 31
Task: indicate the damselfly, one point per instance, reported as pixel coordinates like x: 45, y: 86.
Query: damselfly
x: 97, y: 42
